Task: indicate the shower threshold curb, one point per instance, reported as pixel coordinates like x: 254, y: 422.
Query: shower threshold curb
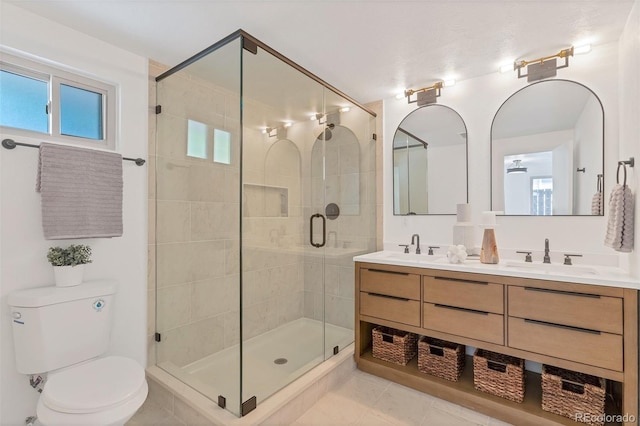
x: 285, y: 406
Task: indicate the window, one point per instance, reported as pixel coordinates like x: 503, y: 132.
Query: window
x: 198, y: 137
x: 541, y: 196
x: 221, y: 146
x: 37, y: 99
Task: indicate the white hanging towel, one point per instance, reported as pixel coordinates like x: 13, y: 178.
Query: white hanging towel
x: 621, y: 216
x: 597, y: 204
x: 81, y: 192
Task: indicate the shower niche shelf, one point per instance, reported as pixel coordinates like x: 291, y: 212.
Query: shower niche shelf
x: 483, y: 315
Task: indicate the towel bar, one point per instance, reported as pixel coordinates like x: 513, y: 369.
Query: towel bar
x: 11, y: 144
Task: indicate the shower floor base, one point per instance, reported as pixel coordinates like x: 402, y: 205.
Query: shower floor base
x: 270, y: 362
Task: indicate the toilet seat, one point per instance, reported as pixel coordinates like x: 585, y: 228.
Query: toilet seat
x: 105, y: 391
x: 93, y: 386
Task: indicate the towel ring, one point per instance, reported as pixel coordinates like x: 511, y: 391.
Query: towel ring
x: 624, y: 167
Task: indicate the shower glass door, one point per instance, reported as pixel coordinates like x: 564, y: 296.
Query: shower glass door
x: 349, y: 187
x: 282, y: 322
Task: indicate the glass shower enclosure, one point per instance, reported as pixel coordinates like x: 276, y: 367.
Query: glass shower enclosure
x: 265, y: 190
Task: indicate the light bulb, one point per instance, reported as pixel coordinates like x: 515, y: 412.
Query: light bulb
x: 287, y: 124
x: 449, y: 83
x: 505, y: 68
x: 581, y: 50
x: 345, y: 109
x: 400, y: 95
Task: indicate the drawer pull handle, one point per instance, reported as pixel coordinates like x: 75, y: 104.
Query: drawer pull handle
x: 567, y: 293
x: 382, y: 271
x: 455, y: 308
x: 461, y: 281
x: 566, y: 327
x: 386, y: 296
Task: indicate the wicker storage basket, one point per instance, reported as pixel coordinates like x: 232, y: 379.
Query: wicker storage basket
x: 440, y: 358
x: 396, y: 346
x: 579, y: 396
x: 498, y: 374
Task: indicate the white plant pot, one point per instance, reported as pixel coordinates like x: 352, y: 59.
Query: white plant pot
x: 68, y: 276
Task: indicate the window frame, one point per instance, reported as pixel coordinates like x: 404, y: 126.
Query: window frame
x: 55, y: 77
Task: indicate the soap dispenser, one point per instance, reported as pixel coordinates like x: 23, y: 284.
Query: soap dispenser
x: 489, y: 250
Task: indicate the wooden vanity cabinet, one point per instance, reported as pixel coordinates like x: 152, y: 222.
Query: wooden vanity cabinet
x: 588, y: 328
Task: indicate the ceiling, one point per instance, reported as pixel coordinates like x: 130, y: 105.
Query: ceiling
x: 369, y: 49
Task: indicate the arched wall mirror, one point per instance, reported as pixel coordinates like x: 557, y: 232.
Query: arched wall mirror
x: 430, y: 162
x: 547, y: 151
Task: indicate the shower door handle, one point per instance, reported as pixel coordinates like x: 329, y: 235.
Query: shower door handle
x: 324, y: 230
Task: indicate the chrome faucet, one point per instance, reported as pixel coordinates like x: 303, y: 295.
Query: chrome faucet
x: 416, y: 237
x: 547, y: 259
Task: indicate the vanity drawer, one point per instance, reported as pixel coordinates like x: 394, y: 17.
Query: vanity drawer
x: 476, y: 295
x: 390, y: 308
x: 590, y: 311
x: 579, y: 345
x: 478, y: 325
x: 399, y: 284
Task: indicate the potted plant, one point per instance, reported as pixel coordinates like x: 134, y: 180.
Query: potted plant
x: 68, y: 263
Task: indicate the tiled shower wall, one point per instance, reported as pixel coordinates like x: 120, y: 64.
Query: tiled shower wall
x: 196, y: 206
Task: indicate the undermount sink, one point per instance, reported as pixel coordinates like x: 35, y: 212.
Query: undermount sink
x: 551, y: 268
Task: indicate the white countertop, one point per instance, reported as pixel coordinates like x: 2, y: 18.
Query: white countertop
x: 582, y: 274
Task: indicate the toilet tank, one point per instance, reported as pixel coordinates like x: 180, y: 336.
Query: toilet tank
x: 55, y: 327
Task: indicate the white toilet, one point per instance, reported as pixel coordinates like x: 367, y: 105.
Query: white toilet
x: 63, y: 331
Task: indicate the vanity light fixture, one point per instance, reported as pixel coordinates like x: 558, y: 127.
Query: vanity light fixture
x: 516, y: 167
x: 547, y: 66
x: 426, y: 95
x: 288, y: 124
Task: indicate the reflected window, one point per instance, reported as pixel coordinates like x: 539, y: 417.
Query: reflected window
x: 196, y: 139
x: 221, y: 146
x: 542, y: 196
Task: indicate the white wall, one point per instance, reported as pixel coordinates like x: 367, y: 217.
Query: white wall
x: 477, y: 101
x: 629, y: 103
x: 23, y: 248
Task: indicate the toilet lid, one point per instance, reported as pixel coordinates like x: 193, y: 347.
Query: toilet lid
x: 93, y: 386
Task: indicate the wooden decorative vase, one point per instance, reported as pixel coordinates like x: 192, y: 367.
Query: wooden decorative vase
x: 489, y: 250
